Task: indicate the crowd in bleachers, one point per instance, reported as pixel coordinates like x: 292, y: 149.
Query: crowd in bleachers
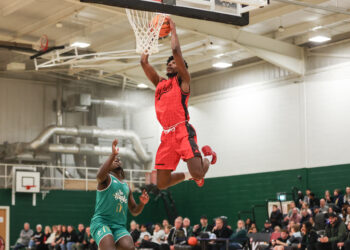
x: 57, y: 237
x: 310, y: 223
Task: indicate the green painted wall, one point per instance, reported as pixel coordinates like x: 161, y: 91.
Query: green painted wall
x: 219, y: 196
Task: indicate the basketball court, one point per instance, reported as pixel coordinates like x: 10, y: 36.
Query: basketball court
x: 269, y: 92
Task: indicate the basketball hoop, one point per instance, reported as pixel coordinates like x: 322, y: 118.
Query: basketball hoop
x: 146, y: 29
x: 28, y: 187
x: 44, y: 42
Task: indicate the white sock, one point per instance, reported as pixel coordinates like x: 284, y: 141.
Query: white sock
x: 209, y: 157
x: 187, y: 176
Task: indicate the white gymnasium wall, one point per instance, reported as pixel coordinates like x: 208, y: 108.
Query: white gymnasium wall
x: 262, y: 119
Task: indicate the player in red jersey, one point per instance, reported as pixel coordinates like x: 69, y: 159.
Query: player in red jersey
x: 178, y: 140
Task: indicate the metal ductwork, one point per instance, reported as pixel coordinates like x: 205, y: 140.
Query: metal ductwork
x: 89, y: 131
x: 113, y: 103
x: 90, y: 149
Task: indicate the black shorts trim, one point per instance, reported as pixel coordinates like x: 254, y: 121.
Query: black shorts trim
x: 191, y: 139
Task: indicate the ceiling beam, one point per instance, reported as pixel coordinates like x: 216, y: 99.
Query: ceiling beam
x: 278, y: 10
x: 14, y: 5
x: 279, y: 53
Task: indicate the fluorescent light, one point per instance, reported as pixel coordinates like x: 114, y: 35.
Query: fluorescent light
x: 317, y: 28
x: 222, y: 65
x: 80, y: 44
x: 142, y: 86
x: 319, y: 38
x: 219, y: 55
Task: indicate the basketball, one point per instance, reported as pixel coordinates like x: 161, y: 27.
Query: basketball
x: 165, y: 29
x: 192, y: 241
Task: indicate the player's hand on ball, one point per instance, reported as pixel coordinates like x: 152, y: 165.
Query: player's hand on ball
x: 144, y: 198
x: 115, y: 150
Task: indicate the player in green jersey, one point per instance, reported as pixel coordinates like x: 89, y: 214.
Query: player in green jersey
x: 113, y: 199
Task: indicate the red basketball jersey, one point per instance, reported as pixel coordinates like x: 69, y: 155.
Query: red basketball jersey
x: 171, y: 103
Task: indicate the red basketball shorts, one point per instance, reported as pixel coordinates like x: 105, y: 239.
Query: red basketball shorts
x: 180, y: 143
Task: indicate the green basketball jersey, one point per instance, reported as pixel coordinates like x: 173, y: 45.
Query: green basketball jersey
x: 112, y: 203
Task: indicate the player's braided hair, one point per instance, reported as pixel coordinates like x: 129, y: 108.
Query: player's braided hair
x: 172, y: 58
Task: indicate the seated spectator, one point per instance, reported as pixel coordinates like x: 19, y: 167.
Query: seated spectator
x: 80, y: 238
x: 158, y: 234
x: 276, y: 216
x: 37, y: 240
x: 49, y: 236
x: 307, y: 197
x: 309, y: 237
x: 144, y: 235
x: 267, y: 227
x: 319, y: 219
x: 177, y: 234
x: 187, y: 227
x: 56, y: 232
x: 313, y: 200
x: 347, y: 196
x: 345, y: 244
x: 276, y: 233
x: 338, y: 200
x: 221, y: 231
x: 166, y: 235
x: 155, y: 241
x: 203, y: 227
x: 89, y: 242
x: 291, y: 207
x: 165, y: 223
x: 281, y: 242
x: 299, y: 199
x: 306, y: 206
x: 63, y: 238
x: 71, y: 237
x: 135, y: 234
x: 252, y: 229
x: 305, y: 216
x: 347, y: 217
x: 323, y: 206
x: 24, y: 237
x: 335, y: 233
x: 239, y: 238
x: 295, y: 216
x: 328, y: 198
x: 294, y: 239
x: 248, y: 223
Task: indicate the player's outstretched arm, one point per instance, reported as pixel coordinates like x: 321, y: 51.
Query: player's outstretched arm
x: 102, y: 177
x: 136, y: 209
x: 180, y: 62
x: 150, y: 72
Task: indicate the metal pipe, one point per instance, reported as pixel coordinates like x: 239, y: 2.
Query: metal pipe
x: 114, y: 103
x: 90, y: 131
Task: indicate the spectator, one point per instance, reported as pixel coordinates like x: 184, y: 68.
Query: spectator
x: 346, y: 242
x: 295, y: 216
x: 144, y: 235
x: 347, y: 196
x: 203, y: 227
x: 338, y: 200
x: 319, y: 219
x: 248, y: 223
x: 347, y: 217
x: 176, y: 234
x: 56, y: 232
x: 335, y: 232
x: 80, y: 238
x: 252, y: 229
x: 295, y: 238
x: 323, y: 206
x: 24, y: 237
x: 221, y: 231
x: 166, y: 235
x: 305, y: 216
x: 63, y: 238
x: 89, y: 242
x: 291, y: 208
x: 267, y: 227
x: 187, y: 227
x: 276, y: 233
x: 71, y: 237
x: 276, y: 216
x: 281, y: 242
x: 299, y: 199
x: 158, y: 234
x: 306, y: 206
x: 307, y: 197
x: 239, y: 238
x: 49, y: 237
x: 328, y: 198
x: 310, y: 237
x: 313, y: 200
x: 37, y: 240
x: 165, y: 223
x: 135, y: 234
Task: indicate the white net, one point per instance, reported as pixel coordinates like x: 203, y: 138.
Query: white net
x: 146, y: 26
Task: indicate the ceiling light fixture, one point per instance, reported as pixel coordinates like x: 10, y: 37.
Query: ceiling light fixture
x: 222, y: 65
x: 319, y: 38
x: 142, y: 86
x: 80, y: 42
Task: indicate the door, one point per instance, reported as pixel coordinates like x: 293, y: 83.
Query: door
x: 5, y: 225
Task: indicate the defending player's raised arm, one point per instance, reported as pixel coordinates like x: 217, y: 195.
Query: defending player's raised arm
x: 180, y: 62
x: 102, y: 177
x: 136, y: 209
x: 150, y: 72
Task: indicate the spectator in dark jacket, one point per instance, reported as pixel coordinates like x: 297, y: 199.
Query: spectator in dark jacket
x: 338, y: 200
x: 203, y: 227
x: 314, y: 201
x: 135, y: 234
x: 305, y: 216
x: 335, y: 233
x: 37, y: 240
x: 276, y: 216
x: 345, y: 244
x: 310, y: 237
x: 221, y: 231
x: 177, y: 234
x: 89, y: 242
x: 24, y: 237
x: 239, y: 238
x: 267, y: 227
x: 71, y: 237
x: 319, y: 219
x: 78, y: 245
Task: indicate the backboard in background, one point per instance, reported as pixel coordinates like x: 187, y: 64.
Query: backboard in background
x: 234, y: 12
x: 27, y: 182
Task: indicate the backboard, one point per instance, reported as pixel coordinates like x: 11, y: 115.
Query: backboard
x: 27, y: 182
x: 234, y: 12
